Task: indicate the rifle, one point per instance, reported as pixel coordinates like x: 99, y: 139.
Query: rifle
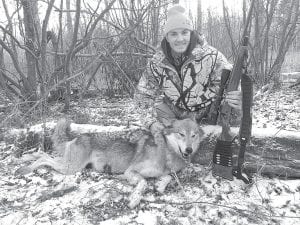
x: 240, y: 68
x: 222, y: 158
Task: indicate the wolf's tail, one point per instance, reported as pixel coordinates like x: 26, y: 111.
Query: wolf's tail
x: 61, y: 132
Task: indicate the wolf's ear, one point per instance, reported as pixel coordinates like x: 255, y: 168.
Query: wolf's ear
x: 193, y: 117
x: 167, y: 122
x: 168, y: 130
x: 169, y: 126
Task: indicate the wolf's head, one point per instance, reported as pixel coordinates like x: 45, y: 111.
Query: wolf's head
x: 184, y: 137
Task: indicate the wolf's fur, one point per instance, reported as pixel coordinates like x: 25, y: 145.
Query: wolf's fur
x: 148, y: 158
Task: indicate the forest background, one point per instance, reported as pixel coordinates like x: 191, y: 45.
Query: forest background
x: 83, y: 58
x: 51, y: 50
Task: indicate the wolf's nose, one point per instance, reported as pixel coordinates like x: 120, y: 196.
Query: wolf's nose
x: 188, y: 150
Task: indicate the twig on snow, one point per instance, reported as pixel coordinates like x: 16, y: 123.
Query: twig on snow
x: 219, y: 205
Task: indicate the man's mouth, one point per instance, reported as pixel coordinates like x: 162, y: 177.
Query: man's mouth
x: 180, y: 45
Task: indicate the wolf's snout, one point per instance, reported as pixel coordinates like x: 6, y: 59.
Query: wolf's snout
x: 189, y: 150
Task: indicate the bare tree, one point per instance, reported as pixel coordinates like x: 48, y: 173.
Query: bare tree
x: 44, y: 70
x: 263, y: 18
x: 275, y: 26
x: 114, y: 45
x: 3, y: 84
x: 288, y: 33
x: 31, y: 42
x: 199, y: 16
x: 69, y: 23
x: 229, y: 30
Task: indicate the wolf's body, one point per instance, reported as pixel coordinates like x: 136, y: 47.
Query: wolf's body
x: 144, y: 159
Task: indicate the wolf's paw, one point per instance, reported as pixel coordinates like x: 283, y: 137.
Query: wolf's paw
x: 160, y: 188
x: 135, y: 199
x: 162, y: 183
x: 23, y: 170
x: 137, y: 194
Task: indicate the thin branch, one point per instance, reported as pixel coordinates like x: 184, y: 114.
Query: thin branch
x: 88, y: 35
x: 122, y: 71
x: 18, y: 43
x: 9, y: 25
x: 229, y: 30
x: 14, y: 60
x: 10, y: 80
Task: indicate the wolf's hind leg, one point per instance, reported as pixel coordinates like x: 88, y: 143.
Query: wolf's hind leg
x: 162, y: 183
x: 46, y: 160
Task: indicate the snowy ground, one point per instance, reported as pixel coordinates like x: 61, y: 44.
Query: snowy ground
x: 196, y: 197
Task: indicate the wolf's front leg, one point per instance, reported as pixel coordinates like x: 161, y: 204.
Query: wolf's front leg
x: 162, y: 183
x: 136, y: 196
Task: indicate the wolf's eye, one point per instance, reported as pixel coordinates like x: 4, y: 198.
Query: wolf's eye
x: 193, y: 135
x: 182, y: 134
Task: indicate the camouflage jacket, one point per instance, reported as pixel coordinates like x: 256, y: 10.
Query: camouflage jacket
x: 192, y: 89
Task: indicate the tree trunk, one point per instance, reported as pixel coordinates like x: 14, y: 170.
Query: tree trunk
x: 199, y: 16
x: 30, y: 15
x: 69, y: 24
x: 68, y: 62
x: 3, y: 84
x: 44, y: 73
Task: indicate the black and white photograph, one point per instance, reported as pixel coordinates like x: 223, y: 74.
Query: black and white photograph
x: 149, y: 112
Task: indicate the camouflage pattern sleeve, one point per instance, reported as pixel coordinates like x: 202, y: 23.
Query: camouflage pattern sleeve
x: 147, y: 95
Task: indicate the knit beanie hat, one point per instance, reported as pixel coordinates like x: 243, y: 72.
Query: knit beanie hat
x: 177, y: 19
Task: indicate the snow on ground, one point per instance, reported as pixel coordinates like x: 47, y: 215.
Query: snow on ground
x: 46, y: 197
x: 280, y: 110
x: 88, y: 198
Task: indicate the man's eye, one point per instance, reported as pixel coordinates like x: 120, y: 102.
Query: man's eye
x: 185, y: 32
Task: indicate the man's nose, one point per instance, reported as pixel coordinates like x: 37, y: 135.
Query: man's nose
x: 180, y: 37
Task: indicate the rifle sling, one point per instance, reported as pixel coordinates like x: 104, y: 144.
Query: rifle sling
x: 246, y: 125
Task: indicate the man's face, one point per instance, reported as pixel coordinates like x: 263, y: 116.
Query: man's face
x: 179, y: 39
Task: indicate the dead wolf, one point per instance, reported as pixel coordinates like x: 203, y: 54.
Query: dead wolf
x: 144, y: 159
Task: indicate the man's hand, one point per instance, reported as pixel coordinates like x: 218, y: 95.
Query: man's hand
x: 234, y: 99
